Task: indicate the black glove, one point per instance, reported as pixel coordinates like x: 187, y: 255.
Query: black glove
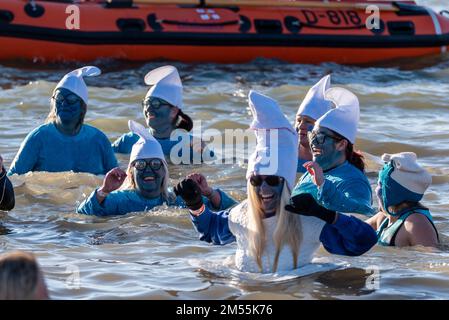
x: 304, y: 204
x: 190, y: 192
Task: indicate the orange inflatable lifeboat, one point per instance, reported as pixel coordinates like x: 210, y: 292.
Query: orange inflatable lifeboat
x: 224, y: 31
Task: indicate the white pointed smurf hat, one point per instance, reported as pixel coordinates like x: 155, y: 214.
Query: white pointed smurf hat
x: 276, y: 141
x: 166, y: 84
x: 344, y: 118
x: 74, y: 81
x: 315, y: 104
x: 147, y: 146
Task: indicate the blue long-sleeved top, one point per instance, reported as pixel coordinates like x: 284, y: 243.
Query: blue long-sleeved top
x: 345, y: 189
x: 299, y: 166
x: 7, y: 200
x: 125, y: 143
x: 47, y: 149
x: 121, y: 202
x: 347, y: 236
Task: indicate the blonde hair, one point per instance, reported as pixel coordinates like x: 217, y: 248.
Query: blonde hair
x: 19, y: 276
x: 288, y: 228
x: 130, y: 183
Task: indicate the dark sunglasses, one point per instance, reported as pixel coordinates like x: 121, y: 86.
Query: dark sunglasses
x: 273, y: 181
x: 154, y: 103
x: 71, y: 99
x: 320, y: 138
x: 154, y: 164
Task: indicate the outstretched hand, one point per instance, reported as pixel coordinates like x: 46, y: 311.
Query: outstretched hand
x: 113, y: 180
x: 201, y: 182
x: 315, y: 171
x: 190, y: 192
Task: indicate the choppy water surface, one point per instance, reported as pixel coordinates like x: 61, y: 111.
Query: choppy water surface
x: 157, y: 254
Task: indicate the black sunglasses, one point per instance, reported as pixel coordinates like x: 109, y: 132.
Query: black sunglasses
x: 154, y: 164
x: 71, y: 99
x: 273, y: 181
x: 154, y: 103
x: 320, y: 137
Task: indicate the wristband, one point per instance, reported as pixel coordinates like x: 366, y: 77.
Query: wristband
x: 199, y: 211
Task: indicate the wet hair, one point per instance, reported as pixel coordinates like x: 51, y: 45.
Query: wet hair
x: 51, y: 118
x: 183, y: 121
x: 19, y: 276
x: 354, y: 157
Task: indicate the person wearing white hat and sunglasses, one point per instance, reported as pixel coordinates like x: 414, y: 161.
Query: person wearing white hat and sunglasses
x: 335, y: 179
x: 314, y: 106
x: 403, y: 220
x: 269, y: 238
x: 145, y: 184
x: 64, y: 142
x: 162, y: 109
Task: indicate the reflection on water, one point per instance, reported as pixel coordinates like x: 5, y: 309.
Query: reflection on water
x: 157, y: 254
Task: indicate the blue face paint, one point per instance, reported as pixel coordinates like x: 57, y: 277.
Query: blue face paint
x: 68, y: 108
x: 148, y: 178
x: 269, y: 196
x: 157, y: 115
x: 324, y: 148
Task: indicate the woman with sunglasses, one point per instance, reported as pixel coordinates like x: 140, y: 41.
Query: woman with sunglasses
x: 270, y: 238
x: 64, y: 142
x: 311, y: 109
x: 145, y: 183
x: 163, y: 116
x: 335, y: 179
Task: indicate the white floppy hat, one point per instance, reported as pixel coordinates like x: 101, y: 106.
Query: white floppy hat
x: 166, y: 84
x: 147, y: 146
x: 272, y: 157
x: 74, y: 81
x: 344, y: 118
x: 315, y: 104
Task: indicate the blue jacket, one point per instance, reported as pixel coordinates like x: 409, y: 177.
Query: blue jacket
x: 345, y: 189
x: 125, y: 143
x: 121, y: 202
x: 47, y: 149
x: 348, y: 236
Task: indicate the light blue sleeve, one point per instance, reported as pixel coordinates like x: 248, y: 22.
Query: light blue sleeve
x: 352, y: 196
x: 125, y: 143
x: 109, y: 206
x: 109, y: 159
x: 213, y: 227
x: 28, y: 154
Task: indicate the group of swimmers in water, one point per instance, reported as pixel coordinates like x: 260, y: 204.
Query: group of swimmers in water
x: 283, y: 221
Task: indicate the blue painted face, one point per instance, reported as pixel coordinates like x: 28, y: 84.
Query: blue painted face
x: 149, y: 175
x: 158, y: 115
x: 269, y: 190
x: 68, y: 108
x: 323, y: 144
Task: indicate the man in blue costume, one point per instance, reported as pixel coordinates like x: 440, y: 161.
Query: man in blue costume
x: 145, y: 184
x: 166, y: 121
x: 64, y: 142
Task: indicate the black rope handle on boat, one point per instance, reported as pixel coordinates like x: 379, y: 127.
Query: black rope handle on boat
x: 200, y: 24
